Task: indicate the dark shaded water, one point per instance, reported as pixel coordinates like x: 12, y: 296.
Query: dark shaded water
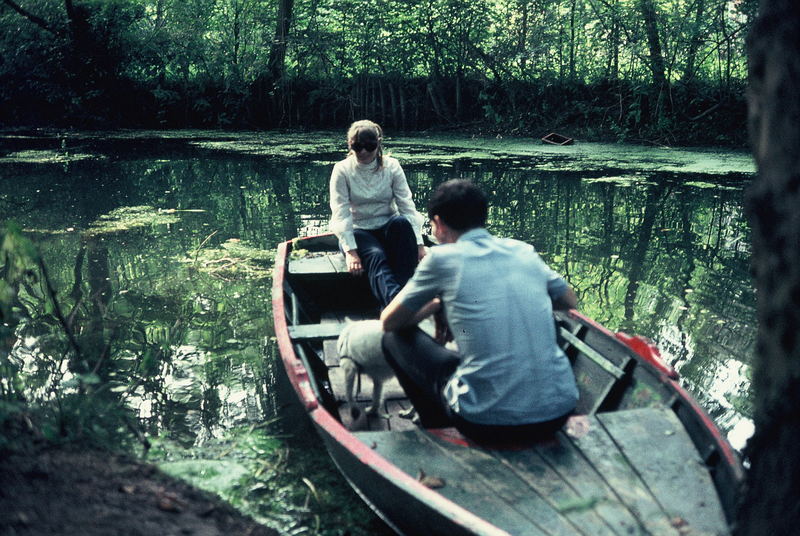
x: 177, y: 284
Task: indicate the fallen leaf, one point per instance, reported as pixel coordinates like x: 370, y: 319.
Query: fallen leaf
x: 168, y: 505
x: 169, y: 502
x: 678, y: 522
x: 429, y: 481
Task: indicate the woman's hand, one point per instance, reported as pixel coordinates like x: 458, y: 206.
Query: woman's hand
x: 421, y: 252
x: 353, y: 262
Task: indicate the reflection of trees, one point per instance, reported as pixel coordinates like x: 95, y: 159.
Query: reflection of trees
x: 285, y: 206
x: 687, y: 272
x: 629, y: 249
x: 643, y: 233
x: 608, y: 196
x: 98, y: 340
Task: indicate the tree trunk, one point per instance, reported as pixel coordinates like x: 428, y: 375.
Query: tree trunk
x: 771, y: 503
x: 403, y: 110
x: 572, y: 44
x: 458, y: 96
x: 522, y: 44
x: 432, y: 93
x: 393, y: 99
x: 382, y: 94
x: 161, y: 65
x: 276, y: 64
x: 649, y: 17
x: 612, y: 65
x: 38, y: 21
x: 696, y: 41
x: 277, y: 53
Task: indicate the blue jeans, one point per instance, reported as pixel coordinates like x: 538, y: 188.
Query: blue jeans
x: 389, y: 256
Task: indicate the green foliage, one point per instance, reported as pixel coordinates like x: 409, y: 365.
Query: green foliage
x: 53, y: 395
x: 19, y: 259
x: 407, y: 64
x: 277, y: 480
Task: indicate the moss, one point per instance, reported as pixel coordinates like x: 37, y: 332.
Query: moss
x: 217, y: 476
x: 326, y: 147
x: 45, y: 157
x: 233, y: 259
x: 701, y: 184
x: 623, y: 180
x: 128, y: 218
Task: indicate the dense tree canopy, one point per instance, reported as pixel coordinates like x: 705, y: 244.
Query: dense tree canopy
x: 629, y: 67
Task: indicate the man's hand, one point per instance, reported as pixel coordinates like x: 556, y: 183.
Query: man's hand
x: 353, y: 262
x: 421, y: 252
x: 443, y: 335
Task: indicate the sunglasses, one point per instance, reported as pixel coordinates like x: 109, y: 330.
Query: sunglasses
x: 369, y: 146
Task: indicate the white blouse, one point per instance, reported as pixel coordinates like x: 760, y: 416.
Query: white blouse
x: 363, y: 198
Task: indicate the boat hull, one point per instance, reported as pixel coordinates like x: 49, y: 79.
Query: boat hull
x: 403, y: 503
x: 615, y: 372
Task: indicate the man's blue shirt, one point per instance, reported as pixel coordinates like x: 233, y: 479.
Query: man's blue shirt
x: 497, y: 295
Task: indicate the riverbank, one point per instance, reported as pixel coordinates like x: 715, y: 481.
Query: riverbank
x: 66, y: 490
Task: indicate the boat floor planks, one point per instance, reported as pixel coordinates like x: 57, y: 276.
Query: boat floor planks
x: 411, y: 451
x: 596, y: 484
x: 602, y: 452
x: 550, y: 506
x: 602, y: 484
x: 312, y: 266
x: 558, y: 471
x: 679, y: 480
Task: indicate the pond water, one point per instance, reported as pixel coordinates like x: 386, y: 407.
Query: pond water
x: 159, y: 247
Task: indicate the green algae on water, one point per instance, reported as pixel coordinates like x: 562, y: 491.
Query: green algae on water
x: 233, y: 259
x: 128, y: 218
x: 53, y: 156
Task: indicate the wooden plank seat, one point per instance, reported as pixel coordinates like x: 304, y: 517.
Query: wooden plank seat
x: 319, y: 265
x: 315, y: 332
x: 598, y: 376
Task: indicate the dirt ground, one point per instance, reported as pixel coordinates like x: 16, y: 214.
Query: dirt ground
x: 88, y: 493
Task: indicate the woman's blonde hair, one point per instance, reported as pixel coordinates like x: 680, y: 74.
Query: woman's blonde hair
x: 366, y: 130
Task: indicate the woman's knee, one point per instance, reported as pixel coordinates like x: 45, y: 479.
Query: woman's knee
x: 399, y: 225
x: 372, y: 251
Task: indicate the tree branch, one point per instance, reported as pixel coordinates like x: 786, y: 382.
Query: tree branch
x: 38, y: 21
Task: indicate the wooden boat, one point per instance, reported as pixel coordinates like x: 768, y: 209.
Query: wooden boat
x: 640, y: 458
x: 555, y: 138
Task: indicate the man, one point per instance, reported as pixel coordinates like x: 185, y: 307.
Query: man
x: 509, y: 380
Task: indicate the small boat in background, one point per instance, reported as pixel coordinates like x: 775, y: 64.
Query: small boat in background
x: 639, y: 457
x: 557, y: 139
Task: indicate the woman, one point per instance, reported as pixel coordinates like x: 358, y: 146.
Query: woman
x: 373, y: 215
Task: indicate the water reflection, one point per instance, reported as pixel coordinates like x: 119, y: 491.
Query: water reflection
x: 177, y: 313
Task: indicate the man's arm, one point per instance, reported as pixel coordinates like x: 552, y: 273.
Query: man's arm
x: 568, y: 300
x: 398, y: 316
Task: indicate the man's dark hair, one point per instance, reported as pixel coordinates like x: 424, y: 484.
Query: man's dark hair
x: 460, y: 204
